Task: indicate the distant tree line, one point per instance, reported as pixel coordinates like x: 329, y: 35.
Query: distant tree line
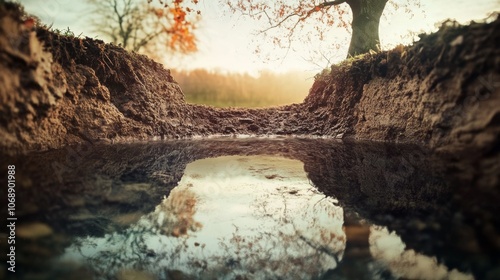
x: 242, y: 90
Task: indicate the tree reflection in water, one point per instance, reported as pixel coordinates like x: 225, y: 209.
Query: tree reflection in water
x: 231, y: 216
x: 253, y: 217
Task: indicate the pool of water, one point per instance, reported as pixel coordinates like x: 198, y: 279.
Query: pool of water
x: 250, y: 209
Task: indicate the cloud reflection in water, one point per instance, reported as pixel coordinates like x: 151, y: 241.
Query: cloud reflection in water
x: 250, y: 216
x: 254, y: 216
x: 389, y: 250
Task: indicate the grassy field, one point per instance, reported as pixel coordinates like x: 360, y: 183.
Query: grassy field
x: 243, y: 90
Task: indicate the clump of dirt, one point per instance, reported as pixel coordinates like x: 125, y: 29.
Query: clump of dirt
x: 61, y: 90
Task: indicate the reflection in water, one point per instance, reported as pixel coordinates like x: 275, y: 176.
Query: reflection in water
x: 104, y: 213
x: 230, y: 216
x: 174, y: 216
x: 389, y: 251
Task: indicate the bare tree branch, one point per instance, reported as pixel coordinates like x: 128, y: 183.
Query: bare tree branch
x: 361, y: 18
x: 140, y: 26
x: 279, y: 23
x: 301, y: 17
x: 332, y: 3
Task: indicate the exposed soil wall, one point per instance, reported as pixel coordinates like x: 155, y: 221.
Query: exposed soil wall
x: 57, y: 90
x: 442, y: 92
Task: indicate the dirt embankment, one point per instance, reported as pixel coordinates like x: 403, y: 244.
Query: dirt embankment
x: 442, y: 92
x: 57, y: 90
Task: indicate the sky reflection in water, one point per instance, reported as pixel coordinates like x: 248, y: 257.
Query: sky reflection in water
x: 253, y: 216
x: 389, y: 250
x: 230, y: 216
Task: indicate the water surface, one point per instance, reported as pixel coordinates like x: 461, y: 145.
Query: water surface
x: 248, y: 209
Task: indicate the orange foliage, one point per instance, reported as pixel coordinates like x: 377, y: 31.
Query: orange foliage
x: 181, y: 24
x: 181, y: 31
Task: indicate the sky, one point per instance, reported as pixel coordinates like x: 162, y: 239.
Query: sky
x: 227, y: 42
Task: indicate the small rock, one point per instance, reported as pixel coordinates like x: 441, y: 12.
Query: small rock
x: 253, y: 127
x: 229, y: 129
x: 245, y: 120
x: 271, y: 176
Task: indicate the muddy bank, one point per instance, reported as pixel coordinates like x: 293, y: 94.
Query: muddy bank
x: 442, y: 92
x: 58, y: 90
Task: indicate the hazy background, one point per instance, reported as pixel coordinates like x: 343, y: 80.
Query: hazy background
x: 226, y: 71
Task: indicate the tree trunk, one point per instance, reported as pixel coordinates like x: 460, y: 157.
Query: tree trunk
x: 365, y: 23
x: 357, y: 258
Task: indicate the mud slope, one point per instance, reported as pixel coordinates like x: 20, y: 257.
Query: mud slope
x: 58, y: 90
